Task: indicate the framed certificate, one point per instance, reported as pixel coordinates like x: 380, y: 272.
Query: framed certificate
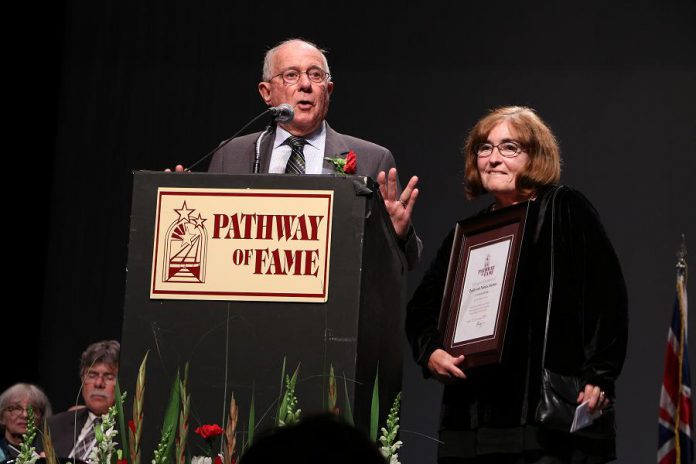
x: 480, y: 284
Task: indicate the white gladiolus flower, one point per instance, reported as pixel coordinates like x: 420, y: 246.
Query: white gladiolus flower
x: 201, y: 460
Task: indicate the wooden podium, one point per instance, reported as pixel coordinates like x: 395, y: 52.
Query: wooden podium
x: 239, y: 346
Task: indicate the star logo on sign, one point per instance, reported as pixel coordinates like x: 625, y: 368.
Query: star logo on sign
x: 197, y: 221
x: 184, y: 212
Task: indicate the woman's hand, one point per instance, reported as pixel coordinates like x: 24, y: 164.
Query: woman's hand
x: 598, y: 400
x: 445, y: 367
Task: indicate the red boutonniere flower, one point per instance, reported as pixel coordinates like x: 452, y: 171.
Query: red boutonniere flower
x: 345, y: 163
x: 351, y: 162
x: 121, y: 461
x: 209, y: 431
x: 218, y: 460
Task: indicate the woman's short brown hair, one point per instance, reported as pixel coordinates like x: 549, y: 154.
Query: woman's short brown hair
x: 544, y: 166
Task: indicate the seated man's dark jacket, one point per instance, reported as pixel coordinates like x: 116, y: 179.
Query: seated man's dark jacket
x: 65, y: 427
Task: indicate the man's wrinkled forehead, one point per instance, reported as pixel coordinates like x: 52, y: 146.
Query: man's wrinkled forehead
x: 288, y: 55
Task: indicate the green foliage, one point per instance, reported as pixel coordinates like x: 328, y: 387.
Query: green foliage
x: 282, y: 385
x: 176, y: 420
x: 104, y: 432
x: 121, y: 419
x: 252, y: 420
x: 27, y: 454
x: 288, y: 412
x: 162, y: 451
x: 374, y: 408
x: 49, y: 450
x: 388, y: 438
x: 138, y: 402
x: 338, y: 162
x: 347, y: 412
x: 182, y: 435
x: 333, y: 393
x: 171, y: 417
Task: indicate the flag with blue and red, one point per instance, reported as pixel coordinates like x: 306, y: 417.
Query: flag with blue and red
x: 675, y: 422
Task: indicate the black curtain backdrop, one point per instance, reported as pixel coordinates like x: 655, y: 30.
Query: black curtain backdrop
x: 103, y: 88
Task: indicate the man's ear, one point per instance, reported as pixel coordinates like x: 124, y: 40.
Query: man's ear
x: 265, y: 92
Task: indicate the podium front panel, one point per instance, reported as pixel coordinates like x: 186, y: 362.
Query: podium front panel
x: 239, y: 346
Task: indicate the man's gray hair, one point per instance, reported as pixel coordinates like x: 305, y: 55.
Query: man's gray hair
x: 270, y: 54
x: 106, y: 352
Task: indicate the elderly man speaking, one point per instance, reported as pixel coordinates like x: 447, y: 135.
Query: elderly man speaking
x: 296, y: 72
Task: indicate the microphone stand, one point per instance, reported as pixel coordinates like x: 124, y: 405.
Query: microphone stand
x: 211, y: 153
x: 257, y: 153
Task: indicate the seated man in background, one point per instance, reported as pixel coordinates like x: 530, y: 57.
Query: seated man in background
x: 72, y: 432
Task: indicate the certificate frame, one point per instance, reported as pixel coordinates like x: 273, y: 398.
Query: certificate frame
x: 480, y: 284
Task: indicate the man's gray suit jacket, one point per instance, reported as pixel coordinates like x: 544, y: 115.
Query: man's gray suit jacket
x: 238, y: 157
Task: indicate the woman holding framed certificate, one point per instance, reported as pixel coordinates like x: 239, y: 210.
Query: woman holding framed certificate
x: 563, y: 341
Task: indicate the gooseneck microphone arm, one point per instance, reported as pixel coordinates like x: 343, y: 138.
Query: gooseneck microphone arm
x: 280, y: 113
x: 257, y: 153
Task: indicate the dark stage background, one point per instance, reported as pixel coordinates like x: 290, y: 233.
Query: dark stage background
x: 108, y: 87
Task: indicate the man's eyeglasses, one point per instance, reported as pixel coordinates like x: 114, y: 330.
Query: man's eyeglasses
x: 292, y: 76
x: 16, y: 410
x: 91, y: 377
x: 508, y: 149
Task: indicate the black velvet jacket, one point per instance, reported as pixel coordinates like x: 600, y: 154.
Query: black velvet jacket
x: 587, y: 329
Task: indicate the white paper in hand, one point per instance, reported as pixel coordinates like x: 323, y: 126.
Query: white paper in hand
x: 583, y: 417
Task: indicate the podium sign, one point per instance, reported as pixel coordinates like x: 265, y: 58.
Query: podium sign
x: 327, y: 235
x: 237, y: 244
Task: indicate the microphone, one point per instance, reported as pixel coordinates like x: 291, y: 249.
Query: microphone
x: 282, y: 112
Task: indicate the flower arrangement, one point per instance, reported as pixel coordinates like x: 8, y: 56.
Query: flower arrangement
x: 345, y: 163
x: 389, y: 433
x: 208, y: 432
x: 104, y: 434
x: 288, y: 412
x: 160, y: 455
x: 175, y: 426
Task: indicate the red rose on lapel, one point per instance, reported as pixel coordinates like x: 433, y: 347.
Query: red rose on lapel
x: 351, y: 162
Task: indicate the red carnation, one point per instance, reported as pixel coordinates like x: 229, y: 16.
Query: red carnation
x: 121, y: 461
x: 218, y: 460
x: 209, y: 431
x: 351, y: 162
